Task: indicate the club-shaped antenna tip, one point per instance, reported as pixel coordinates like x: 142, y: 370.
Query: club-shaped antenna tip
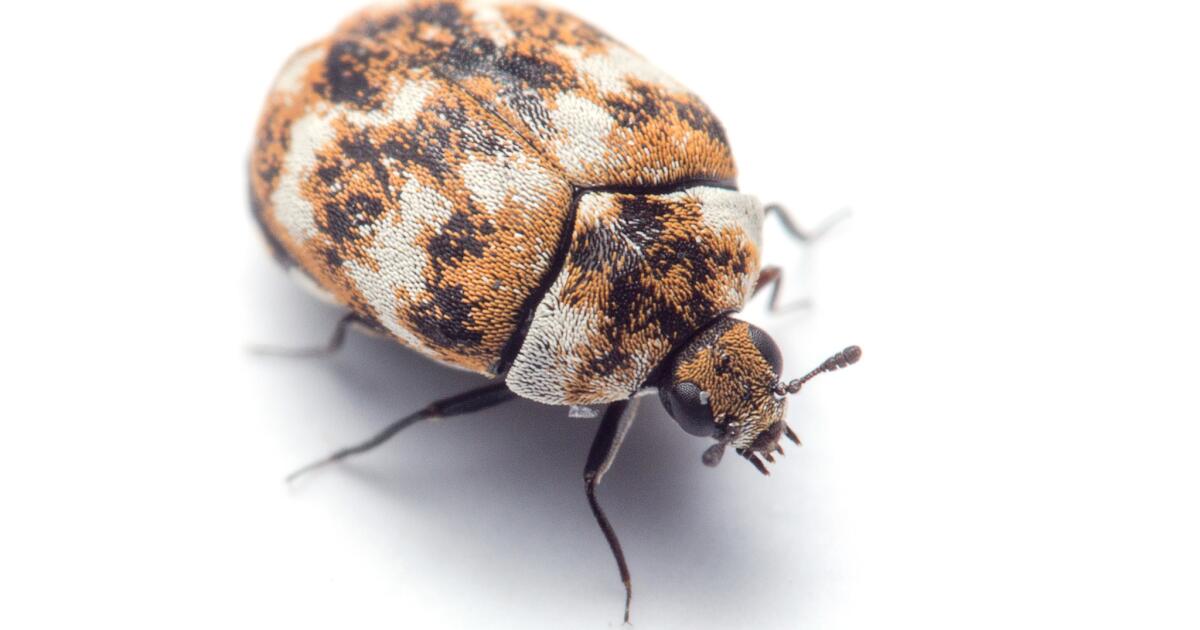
x: 852, y: 354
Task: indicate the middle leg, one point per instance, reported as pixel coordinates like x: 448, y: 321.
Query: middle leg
x: 772, y: 276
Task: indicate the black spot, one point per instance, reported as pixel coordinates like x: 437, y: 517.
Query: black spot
x: 444, y: 320
x: 446, y: 15
x: 345, y: 221
x: 268, y: 174
x: 333, y: 259
x: 409, y: 151
x: 329, y: 174
x: 454, y: 241
x: 467, y: 55
x: 697, y: 116
x: 345, y: 74
x: 531, y: 71
x: 739, y: 263
x: 641, y: 219
x: 374, y: 28
x: 637, y: 110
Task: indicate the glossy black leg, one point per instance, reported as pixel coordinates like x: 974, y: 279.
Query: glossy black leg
x: 467, y: 402
x: 615, y: 424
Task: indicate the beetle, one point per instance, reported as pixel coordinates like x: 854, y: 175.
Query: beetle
x: 508, y: 190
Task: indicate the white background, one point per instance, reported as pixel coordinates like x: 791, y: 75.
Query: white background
x: 1017, y: 447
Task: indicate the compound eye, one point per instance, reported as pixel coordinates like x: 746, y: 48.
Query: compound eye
x: 767, y: 348
x: 691, y: 408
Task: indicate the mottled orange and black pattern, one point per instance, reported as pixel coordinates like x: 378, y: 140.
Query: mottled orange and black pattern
x: 420, y: 166
x: 408, y: 203
x: 725, y: 362
x: 645, y: 271
x: 589, y: 104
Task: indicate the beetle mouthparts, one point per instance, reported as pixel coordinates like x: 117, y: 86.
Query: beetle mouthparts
x: 713, y: 454
x: 753, y: 459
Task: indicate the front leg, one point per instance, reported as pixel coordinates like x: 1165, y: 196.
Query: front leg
x: 617, y: 420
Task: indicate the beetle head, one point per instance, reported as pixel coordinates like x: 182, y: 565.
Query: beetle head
x: 725, y: 384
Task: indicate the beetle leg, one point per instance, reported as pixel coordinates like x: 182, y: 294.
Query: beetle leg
x: 799, y: 233
x: 617, y: 420
x: 333, y: 345
x: 466, y: 402
x: 773, y: 276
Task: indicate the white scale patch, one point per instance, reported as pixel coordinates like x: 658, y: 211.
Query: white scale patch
x: 493, y: 182
x: 729, y: 209
x: 592, y: 208
x: 309, y: 134
x: 291, y: 78
x: 611, y: 71
x: 489, y: 21
x: 583, y: 128
x: 550, y: 349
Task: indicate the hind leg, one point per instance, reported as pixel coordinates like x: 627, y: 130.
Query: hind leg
x: 466, y: 402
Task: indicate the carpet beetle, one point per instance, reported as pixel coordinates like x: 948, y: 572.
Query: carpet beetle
x: 508, y: 190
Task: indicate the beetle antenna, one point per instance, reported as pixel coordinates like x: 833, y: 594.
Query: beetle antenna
x: 845, y: 358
